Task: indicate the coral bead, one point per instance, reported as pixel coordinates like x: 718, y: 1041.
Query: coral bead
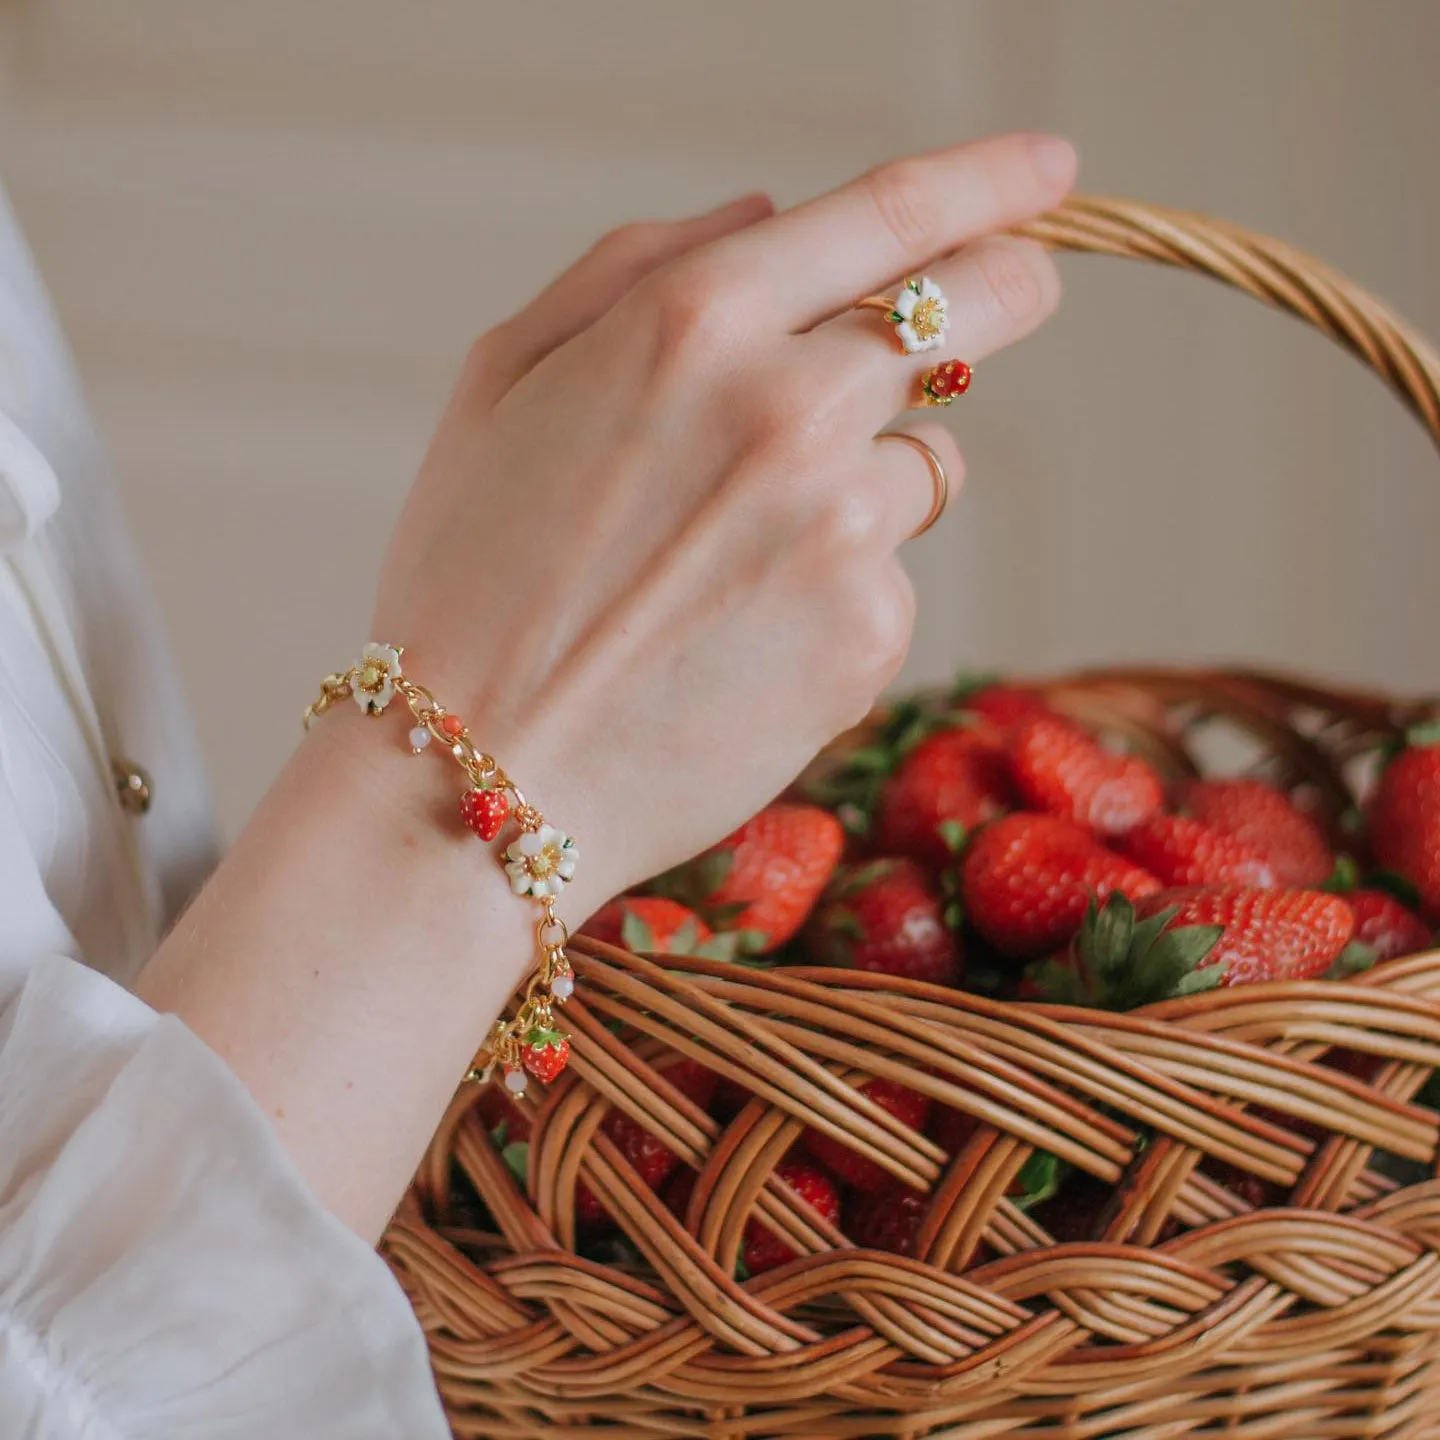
x: 453, y: 726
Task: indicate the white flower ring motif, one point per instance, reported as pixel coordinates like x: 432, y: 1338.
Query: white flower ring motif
x: 374, y: 684
x: 921, y: 316
x: 541, y: 862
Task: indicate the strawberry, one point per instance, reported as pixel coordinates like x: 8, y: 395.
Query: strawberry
x: 906, y: 1105
x: 1264, y: 934
x: 545, y: 1053
x: 763, y: 880
x: 884, y: 916
x: 1063, y: 770
x: 651, y: 1158
x: 1180, y: 851
x: 1385, y: 927
x: 885, y: 1219
x: 1267, y: 821
x: 948, y: 784
x: 678, y: 1190
x: 653, y: 925
x: 1003, y: 706
x: 484, y: 811
x: 762, y: 1249
x: 1405, y: 816
x: 1026, y: 880
x: 950, y: 1128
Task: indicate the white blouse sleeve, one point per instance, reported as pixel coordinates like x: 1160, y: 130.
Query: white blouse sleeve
x: 164, y: 1273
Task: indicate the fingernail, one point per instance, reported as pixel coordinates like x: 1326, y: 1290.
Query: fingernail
x: 757, y: 200
x: 1054, y: 159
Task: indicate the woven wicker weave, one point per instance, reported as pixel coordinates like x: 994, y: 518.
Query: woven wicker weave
x: 1196, y: 1315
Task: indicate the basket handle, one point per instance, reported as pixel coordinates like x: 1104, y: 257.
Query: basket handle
x: 1270, y: 270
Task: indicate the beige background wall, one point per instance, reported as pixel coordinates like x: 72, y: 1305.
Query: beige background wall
x: 273, y: 227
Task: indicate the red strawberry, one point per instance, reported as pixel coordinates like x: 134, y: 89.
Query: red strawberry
x: 1004, y: 706
x: 545, y: 1054
x: 763, y: 1250
x: 950, y: 1128
x: 884, y: 916
x: 1384, y: 925
x: 906, y: 1105
x: 1265, y: 819
x: 1063, y: 770
x: 648, y: 925
x: 652, y: 1159
x: 947, y: 785
x: 678, y: 1190
x: 1026, y: 880
x: 1179, y: 851
x: 484, y: 811
x: 1265, y: 934
x: 496, y: 1107
x: 886, y: 1220
x: 1405, y: 816
x: 763, y: 880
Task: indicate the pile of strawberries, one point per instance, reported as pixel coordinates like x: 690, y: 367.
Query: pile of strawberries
x: 999, y: 846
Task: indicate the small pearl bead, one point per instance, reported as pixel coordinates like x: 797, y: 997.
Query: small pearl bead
x: 516, y: 1081
x: 562, y: 987
x: 419, y: 738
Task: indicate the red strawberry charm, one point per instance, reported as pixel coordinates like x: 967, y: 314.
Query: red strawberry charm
x: 906, y: 1105
x: 1026, y: 880
x: 484, y: 811
x: 1405, y: 816
x: 942, y: 383
x: 885, y: 916
x: 1063, y: 770
x: 545, y: 1053
x: 1178, y: 851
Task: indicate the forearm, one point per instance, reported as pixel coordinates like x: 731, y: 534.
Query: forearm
x: 347, y: 959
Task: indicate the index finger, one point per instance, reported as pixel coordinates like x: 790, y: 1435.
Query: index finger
x: 824, y: 255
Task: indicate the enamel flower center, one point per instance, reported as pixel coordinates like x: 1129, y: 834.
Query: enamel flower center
x: 373, y: 677
x: 545, y: 863
x: 928, y: 318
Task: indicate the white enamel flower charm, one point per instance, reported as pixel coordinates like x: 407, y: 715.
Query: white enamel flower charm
x: 374, y: 684
x: 921, y: 316
x: 540, y: 862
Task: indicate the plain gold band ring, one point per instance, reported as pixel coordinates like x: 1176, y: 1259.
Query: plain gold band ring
x: 937, y: 471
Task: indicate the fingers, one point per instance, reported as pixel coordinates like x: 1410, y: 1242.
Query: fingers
x: 997, y: 291
x: 820, y: 257
x: 920, y: 471
x: 593, y: 285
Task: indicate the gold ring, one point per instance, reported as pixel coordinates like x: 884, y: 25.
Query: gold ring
x: 937, y: 470
x: 920, y: 314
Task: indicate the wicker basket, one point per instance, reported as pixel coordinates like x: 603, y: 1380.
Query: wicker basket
x: 1196, y: 1315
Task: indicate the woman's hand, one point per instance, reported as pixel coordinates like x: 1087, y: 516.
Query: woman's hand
x: 650, y: 559
x: 651, y: 554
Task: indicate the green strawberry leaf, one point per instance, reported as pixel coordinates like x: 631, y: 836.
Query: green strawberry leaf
x: 1344, y: 877
x: 712, y: 870
x: 871, y: 760
x: 636, y: 935
x: 1198, y: 981
x: 954, y: 834
x: 750, y: 942
x: 845, y: 923
x: 1355, y: 958
x: 1039, y: 1178
x: 498, y: 1134
x: 953, y: 915
x: 1058, y: 983
x: 1394, y: 883
x: 724, y: 946
x: 1421, y: 736
x: 517, y: 1160
x: 685, y: 938
x: 1107, y: 934
x: 971, y: 682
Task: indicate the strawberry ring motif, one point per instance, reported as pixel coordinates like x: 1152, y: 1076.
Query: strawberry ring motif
x: 942, y: 383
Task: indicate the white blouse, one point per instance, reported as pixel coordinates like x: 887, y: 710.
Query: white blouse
x: 164, y: 1272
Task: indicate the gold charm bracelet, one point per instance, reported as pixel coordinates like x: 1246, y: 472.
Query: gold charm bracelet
x: 540, y: 862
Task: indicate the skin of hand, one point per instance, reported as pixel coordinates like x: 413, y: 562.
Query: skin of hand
x: 650, y: 557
